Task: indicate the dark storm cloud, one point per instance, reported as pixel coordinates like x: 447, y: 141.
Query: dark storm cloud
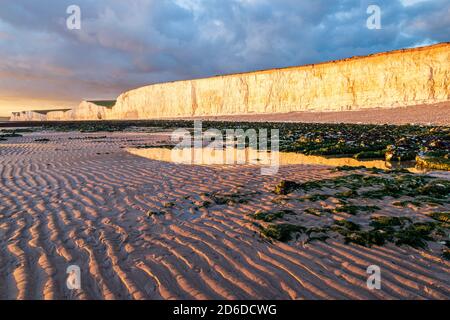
x: 125, y: 44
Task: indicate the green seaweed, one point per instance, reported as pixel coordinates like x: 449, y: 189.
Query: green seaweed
x: 367, y: 238
x: 169, y: 204
x: 436, y: 188
x: 285, y: 187
x: 405, y: 203
x: 316, y: 197
x: 433, y: 162
x: 155, y: 213
x: 230, y: 198
x: 415, y: 235
x: 268, y: 216
x: 378, y: 154
x: 347, y: 194
x: 317, y: 234
x: 281, y: 232
x: 348, y: 225
x: 384, y: 222
x: 354, y: 209
x: 316, y: 212
x: 441, y: 216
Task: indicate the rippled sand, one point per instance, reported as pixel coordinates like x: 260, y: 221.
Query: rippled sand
x: 85, y: 202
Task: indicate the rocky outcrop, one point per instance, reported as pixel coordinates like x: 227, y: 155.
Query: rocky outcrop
x: 386, y: 80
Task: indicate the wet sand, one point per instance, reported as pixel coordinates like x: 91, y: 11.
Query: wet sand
x: 85, y: 202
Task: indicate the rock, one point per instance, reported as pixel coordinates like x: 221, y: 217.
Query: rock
x: 285, y: 187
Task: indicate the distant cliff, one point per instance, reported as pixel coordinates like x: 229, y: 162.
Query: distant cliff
x: 385, y: 80
x: 84, y: 111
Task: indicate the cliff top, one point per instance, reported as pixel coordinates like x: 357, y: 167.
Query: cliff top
x: 51, y: 110
x: 262, y: 71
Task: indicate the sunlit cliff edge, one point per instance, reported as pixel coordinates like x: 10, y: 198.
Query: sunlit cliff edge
x: 385, y: 80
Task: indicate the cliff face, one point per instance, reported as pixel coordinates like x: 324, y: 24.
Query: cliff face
x: 385, y: 80
x: 84, y: 111
x: 28, y: 116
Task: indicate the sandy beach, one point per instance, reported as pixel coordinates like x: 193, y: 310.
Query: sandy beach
x: 432, y: 114
x: 82, y: 199
x: 225, y: 159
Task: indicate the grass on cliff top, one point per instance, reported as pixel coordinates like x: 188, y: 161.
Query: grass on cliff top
x: 45, y: 112
x: 104, y: 103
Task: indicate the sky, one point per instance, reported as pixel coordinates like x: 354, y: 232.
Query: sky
x: 127, y: 44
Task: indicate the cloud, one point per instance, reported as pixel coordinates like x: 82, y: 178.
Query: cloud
x: 127, y: 44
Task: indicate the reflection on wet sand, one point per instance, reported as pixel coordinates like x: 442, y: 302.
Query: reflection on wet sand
x: 231, y: 156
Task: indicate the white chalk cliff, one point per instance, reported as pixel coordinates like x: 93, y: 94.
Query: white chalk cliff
x: 385, y: 80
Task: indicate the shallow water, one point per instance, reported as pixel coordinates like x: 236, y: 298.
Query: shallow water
x: 234, y: 156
